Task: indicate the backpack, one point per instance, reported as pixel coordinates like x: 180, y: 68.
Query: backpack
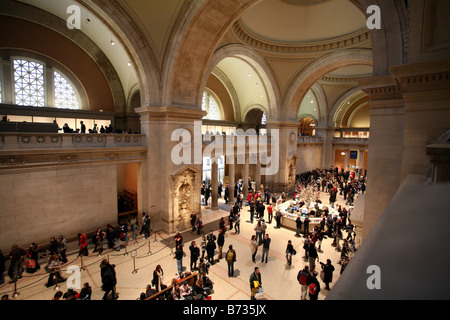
x: 303, y: 277
x: 312, y: 288
x: 229, y: 256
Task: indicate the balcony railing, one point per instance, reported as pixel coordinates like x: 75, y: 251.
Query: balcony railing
x: 19, y: 141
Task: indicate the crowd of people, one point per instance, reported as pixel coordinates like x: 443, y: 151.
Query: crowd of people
x: 263, y: 208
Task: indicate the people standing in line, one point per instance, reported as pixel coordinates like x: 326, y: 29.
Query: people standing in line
x: 265, y: 248
x: 145, y: 229
x: 53, y: 269
x: 231, y: 259
x: 109, y: 280
x: 98, y: 240
x: 31, y: 262
x: 62, y: 248
x: 289, y: 252
x: 220, y: 243
x: 328, y: 270
x: 16, y: 257
x: 255, y: 282
x: 195, y: 254
x: 253, y: 247
x: 179, y: 258
x: 303, y: 277
x: 133, y: 226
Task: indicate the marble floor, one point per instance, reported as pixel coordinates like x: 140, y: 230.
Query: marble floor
x: 135, y: 264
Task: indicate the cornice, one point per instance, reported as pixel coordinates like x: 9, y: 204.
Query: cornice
x: 347, y: 41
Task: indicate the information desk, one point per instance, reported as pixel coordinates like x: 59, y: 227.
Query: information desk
x: 288, y: 218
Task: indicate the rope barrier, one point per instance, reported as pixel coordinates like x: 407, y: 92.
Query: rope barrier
x: 40, y: 276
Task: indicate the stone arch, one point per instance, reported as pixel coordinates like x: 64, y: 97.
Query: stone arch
x: 194, y: 44
x: 315, y: 71
x: 259, y: 64
x: 335, y: 107
x: 390, y: 43
x: 136, y: 45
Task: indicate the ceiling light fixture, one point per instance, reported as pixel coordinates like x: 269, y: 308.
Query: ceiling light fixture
x: 112, y: 42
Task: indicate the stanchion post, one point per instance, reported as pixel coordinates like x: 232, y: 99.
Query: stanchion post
x: 149, y: 250
x: 57, y: 283
x: 82, y: 267
x: 126, y: 250
x: 155, y: 237
x: 133, y: 254
x: 15, y: 287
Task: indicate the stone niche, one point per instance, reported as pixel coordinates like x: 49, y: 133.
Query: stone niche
x: 185, y: 190
x: 292, y: 170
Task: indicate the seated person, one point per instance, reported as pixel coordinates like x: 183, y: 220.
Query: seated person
x: 149, y: 291
x: 185, y: 291
x: 207, y: 285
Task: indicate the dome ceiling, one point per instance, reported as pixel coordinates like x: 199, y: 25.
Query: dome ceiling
x: 302, y: 21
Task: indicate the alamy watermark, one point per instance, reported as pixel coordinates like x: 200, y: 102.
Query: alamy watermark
x: 189, y: 149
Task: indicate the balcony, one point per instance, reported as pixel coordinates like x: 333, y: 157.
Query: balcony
x: 27, y: 149
x: 19, y: 141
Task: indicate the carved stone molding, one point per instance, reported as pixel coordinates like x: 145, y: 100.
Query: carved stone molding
x: 352, y: 40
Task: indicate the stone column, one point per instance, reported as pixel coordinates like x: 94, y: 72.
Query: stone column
x: 287, y: 147
x: 385, y: 146
x: 258, y: 174
x: 231, y: 179
x: 162, y: 173
x: 347, y: 155
x: 245, y: 177
x: 426, y: 92
x: 361, y: 160
x: 214, y: 183
x: 327, y: 151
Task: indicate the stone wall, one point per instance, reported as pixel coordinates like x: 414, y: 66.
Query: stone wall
x: 36, y: 205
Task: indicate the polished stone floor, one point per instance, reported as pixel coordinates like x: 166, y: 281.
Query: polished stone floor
x: 136, y: 262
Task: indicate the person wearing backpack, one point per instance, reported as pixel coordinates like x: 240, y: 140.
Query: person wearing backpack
x: 303, y: 277
x: 314, y: 287
x: 231, y: 258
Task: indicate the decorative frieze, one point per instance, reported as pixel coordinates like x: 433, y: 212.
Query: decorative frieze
x: 352, y: 40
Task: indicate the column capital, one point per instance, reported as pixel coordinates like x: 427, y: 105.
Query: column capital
x: 171, y: 112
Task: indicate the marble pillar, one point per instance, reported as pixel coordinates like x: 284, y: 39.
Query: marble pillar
x: 214, y: 183
x: 174, y: 188
x: 385, y: 146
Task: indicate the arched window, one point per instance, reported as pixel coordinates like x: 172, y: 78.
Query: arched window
x: 65, y: 95
x: 29, y: 83
x: 211, y: 106
x: 33, y: 85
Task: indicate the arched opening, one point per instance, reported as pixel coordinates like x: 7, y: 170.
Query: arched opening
x: 307, y: 127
